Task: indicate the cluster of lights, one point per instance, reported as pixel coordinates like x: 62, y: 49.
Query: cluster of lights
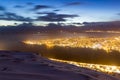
x: 97, y: 67
x: 108, y: 44
x: 103, y: 31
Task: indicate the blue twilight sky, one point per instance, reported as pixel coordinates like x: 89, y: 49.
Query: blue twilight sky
x: 65, y: 11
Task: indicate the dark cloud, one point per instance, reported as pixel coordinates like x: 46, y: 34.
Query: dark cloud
x: 45, y: 13
x: 18, y: 6
x: 77, y: 23
x: 73, y: 4
x: 2, y: 8
x: 38, y: 7
x: 53, y: 17
x: 56, y: 10
x: 13, y: 16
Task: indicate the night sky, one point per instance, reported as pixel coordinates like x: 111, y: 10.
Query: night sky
x: 66, y: 11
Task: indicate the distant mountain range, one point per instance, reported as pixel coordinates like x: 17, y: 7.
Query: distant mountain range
x: 29, y: 28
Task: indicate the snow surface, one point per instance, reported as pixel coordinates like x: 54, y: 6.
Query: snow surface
x: 29, y: 66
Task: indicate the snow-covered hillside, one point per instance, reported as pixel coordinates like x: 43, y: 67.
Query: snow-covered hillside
x: 29, y: 66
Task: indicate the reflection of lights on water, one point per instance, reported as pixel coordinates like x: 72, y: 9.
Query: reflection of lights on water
x: 107, y: 44
x: 102, y: 68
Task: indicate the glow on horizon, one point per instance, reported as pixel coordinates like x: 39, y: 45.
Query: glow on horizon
x: 7, y: 23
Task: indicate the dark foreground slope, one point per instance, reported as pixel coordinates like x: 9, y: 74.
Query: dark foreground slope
x: 28, y: 66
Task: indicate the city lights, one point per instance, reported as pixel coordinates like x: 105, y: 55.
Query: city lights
x: 97, y: 67
x: 108, y: 44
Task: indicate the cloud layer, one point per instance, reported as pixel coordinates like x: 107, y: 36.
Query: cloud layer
x: 12, y: 16
x: 54, y: 17
x: 38, y: 7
